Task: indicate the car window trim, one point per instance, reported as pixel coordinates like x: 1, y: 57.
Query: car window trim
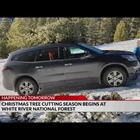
x: 37, y: 55
x: 25, y: 53
x: 71, y: 45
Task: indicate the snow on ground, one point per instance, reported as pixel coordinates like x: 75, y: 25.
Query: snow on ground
x: 124, y: 45
x: 128, y: 92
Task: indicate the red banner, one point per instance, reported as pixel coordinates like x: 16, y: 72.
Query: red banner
x: 41, y: 98
x: 67, y: 98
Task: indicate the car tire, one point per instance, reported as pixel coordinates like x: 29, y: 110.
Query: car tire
x: 26, y: 87
x: 115, y: 77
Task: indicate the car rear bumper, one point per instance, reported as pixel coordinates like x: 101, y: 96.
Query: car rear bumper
x: 7, y: 80
x: 7, y: 85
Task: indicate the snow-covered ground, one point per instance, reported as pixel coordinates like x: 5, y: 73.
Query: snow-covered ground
x: 124, y: 45
x: 128, y: 92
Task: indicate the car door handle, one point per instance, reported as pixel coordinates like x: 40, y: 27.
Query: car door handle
x: 69, y: 64
x: 39, y: 67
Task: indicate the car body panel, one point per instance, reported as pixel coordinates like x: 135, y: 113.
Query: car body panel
x: 66, y: 72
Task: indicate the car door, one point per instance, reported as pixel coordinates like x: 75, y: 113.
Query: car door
x: 80, y: 66
x: 50, y: 68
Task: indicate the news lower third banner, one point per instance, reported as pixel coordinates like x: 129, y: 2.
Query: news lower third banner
x: 65, y: 104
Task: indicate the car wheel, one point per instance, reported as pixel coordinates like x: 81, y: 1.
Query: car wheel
x: 26, y: 87
x: 115, y: 77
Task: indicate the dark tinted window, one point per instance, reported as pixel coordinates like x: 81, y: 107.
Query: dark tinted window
x: 74, y: 52
x: 26, y: 56
x: 48, y: 54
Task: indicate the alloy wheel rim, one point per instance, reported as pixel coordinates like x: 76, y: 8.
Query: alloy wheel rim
x: 115, y: 78
x: 26, y: 88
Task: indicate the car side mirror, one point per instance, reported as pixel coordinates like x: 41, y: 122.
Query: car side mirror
x: 87, y: 56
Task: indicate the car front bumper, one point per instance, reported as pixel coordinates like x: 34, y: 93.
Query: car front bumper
x: 134, y: 72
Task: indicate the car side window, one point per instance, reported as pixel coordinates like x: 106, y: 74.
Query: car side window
x: 48, y: 54
x: 25, y: 57
x: 74, y: 52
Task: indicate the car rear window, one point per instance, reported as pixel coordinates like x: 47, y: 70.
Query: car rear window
x: 26, y: 56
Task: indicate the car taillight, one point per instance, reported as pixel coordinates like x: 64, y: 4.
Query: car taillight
x: 4, y: 68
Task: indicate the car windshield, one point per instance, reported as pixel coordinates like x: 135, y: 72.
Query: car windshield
x: 92, y: 48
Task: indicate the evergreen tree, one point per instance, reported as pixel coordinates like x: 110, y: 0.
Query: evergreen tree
x: 4, y: 27
x: 92, y: 35
x: 3, y: 48
x: 41, y: 21
x: 29, y: 24
x: 19, y: 32
x: 127, y: 25
x: 106, y: 31
x: 62, y: 30
x: 14, y: 34
x: 81, y: 28
x: 134, y: 26
x: 115, y: 22
x: 138, y: 33
x: 52, y: 19
x: 121, y: 33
